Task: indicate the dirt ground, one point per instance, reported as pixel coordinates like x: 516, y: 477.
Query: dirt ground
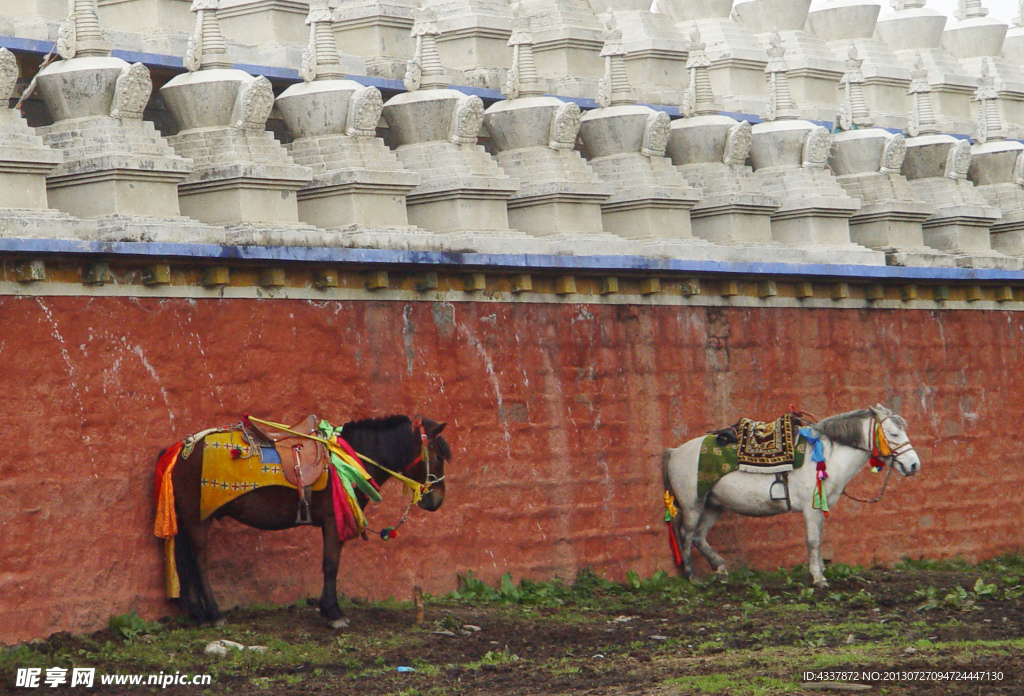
x: 907, y: 632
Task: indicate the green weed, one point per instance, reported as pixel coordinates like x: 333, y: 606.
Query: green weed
x: 934, y: 564
x: 130, y: 626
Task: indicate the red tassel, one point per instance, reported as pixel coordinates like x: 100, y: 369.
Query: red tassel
x: 674, y: 544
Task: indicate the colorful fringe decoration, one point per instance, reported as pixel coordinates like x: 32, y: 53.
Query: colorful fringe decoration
x: 670, y: 506
x: 879, y: 448
x: 347, y: 477
x: 166, y: 524
x: 820, y: 500
x: 670, y: 512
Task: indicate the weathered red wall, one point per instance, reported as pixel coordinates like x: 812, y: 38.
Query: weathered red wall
x: 557, y: 414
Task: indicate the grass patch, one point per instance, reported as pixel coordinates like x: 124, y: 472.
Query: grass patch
x: 757, y: 633
x: 735, y: 685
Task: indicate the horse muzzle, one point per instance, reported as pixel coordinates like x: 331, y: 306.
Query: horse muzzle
x: 910, y: 465
x: 433, y: 498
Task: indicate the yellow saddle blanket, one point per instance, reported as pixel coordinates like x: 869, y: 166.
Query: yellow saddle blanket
x: 226, y: 477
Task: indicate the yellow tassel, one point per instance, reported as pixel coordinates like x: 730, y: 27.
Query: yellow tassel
x: 670, y: 504
x: 171, y: 570
x: 883, y: 445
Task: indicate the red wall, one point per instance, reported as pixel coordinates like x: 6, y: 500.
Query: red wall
x: 557, y: 415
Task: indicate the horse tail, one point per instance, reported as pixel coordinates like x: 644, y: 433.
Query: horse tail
x: 665, y: 457
x: 181, y: 566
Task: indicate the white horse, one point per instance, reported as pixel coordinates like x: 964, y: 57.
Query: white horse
x: 847, y: 439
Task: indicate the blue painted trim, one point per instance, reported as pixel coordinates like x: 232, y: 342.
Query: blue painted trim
x: 753, y: 119
x: 483, y: 93
x: 672, y: 111
x: 283, y: 74
x: 150, y: 59
x: 378, y: 82
x: 584, y: 104
x: 517, y: 262
x: 26, y: 45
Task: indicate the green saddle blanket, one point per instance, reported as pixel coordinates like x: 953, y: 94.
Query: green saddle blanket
x: 717, y: 459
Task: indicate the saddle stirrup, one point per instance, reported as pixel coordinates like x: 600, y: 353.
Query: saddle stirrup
x: 779, y: 489
x: 302, y: 515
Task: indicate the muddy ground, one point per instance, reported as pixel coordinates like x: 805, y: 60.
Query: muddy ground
x: 907, y: 632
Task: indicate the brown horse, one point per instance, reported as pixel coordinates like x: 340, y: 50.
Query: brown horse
x: 395, y: 443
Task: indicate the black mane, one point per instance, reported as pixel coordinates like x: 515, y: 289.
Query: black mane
x: 385, y: 423
x: 391, y: 440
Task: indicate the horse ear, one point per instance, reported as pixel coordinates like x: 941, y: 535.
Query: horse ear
x: 879, y: 410
x: 436, y: 430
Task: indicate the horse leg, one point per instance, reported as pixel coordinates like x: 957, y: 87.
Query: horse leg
x: 813, y: 520
x: 686, y: 531
x: 198, y: 534
x: 328, y: 606
x: 704, y: 524
x: 191, y: 599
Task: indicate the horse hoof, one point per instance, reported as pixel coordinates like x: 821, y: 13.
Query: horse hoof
x: 340, y: 623
x: 823, y: 585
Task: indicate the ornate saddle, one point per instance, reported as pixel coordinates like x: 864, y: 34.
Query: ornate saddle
x: 302, y: 458
x: 765, y: 447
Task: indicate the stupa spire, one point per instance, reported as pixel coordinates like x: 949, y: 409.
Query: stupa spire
x: 320, y: 60
x: 523, y: 80
x: 854, y: 110
x: 922, y: 116
x: 969, y: 9
x: 79, y: 34
x: 699, y: 98
x: 615, y: 87
x: 425, y: 70
x: 780, y: 101
x: 206, y: 46
x: 990, y: 127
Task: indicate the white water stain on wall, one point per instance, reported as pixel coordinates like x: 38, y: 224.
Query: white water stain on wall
x: 407, y: 338
x: 64, y: 353
x: 186, y: 332
x: 137, y: 350
x: 492, y: 378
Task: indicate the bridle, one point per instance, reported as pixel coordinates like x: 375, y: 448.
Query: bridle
x: 882, y: 449
x: 883, y: 452
x: 429, y: 480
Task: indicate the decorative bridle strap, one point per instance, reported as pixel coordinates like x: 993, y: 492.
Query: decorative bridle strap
x: 881, y: 448
x: 430, y: 480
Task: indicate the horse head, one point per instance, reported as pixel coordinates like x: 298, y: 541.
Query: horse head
x: 429, y: 469
x: 893, y: 443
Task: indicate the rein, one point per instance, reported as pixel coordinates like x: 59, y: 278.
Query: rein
x: 880, y: 493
